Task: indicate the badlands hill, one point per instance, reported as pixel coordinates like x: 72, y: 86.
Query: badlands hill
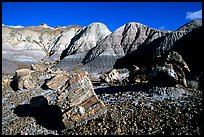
x: 35, y: 43
x: 95, y: 48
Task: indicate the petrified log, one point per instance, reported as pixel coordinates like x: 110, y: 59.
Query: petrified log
x: 78, y: 101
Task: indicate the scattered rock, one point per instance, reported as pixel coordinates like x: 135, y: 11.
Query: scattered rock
x: 6, y: 82
x: 38, y: 67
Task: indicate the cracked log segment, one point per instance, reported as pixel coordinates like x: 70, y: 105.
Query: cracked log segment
x: 74, y: 90
x: 76, y: 98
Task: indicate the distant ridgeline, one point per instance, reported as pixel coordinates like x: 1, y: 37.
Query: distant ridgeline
x: 96, y: 49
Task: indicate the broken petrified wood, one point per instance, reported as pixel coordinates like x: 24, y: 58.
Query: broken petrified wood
x: 58, y: 81
x: 23, y: 79
x: 170, y: 69
x: 110, y: 77
x: 78, y: 101
x: 74, y: 93
x: 170, y: 73
x: 175, y: 57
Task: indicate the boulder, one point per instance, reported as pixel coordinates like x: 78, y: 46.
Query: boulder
x: 73, y: 92
x: 173, y: 67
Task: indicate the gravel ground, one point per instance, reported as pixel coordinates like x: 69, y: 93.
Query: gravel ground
x: 131, y: 110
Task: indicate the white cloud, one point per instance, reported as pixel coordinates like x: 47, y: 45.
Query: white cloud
x: 194, y: 15
x: 18, y: 26
x: 161, y: 28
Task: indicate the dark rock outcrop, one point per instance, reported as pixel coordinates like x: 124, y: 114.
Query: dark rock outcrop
x: 169, y: 70
x: 187, y: 44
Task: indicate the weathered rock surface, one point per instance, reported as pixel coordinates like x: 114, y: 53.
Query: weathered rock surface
x: 86, y: 38
x: 170, y: 73
x: 35, y: 42
x: 124, y: 40
x: 67, y: 34
x: 137, y: 75
x: 170, y: 69
x: 79, y: 103
x: 176, y: 40
x: 58, y: 81
x: 190, y: 25
x: 174, y: 57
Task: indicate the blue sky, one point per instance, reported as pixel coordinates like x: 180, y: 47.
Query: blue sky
x: 159, y: 15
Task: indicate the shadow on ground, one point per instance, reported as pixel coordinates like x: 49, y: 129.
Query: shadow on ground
x: 125, y: 88
x: 49, y: 116
x: 134, y: 87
